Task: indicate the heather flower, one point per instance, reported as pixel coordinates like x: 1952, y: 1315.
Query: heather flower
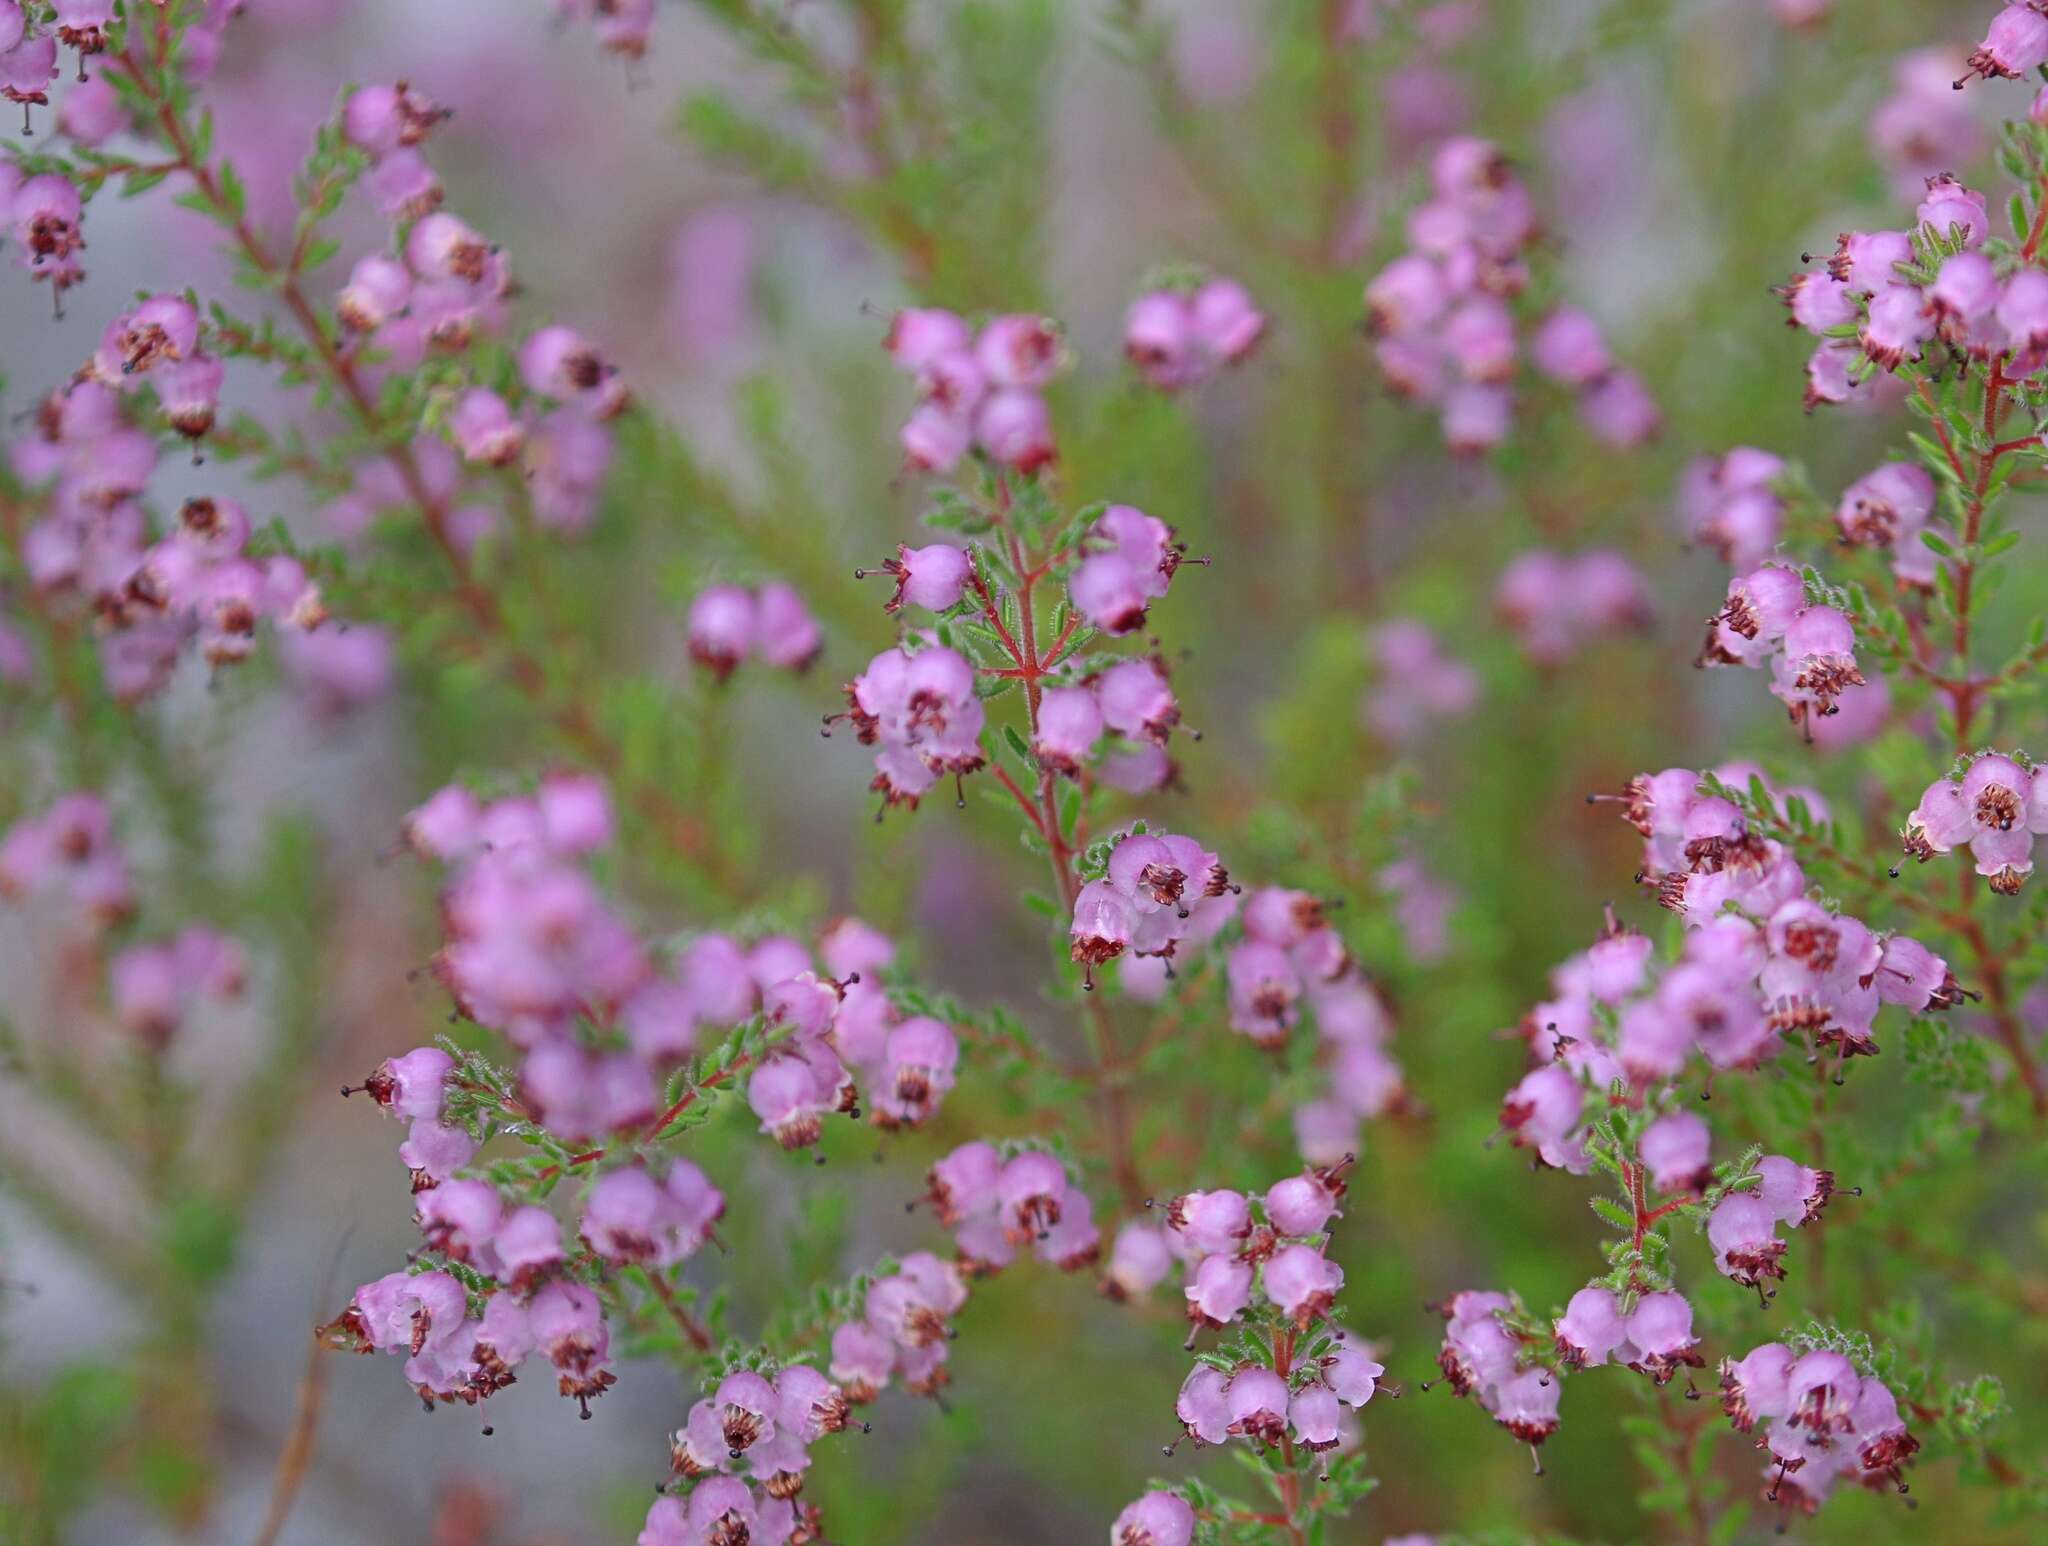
x: 1675, y: 1150
x: 1526, y: 1404
x: 1203, y: 1405
x: 1030, y: 1189
x: 1897, y: 325
x: 1265, y: 992
x: 1755, y: 1388
x: 1257, y: 1401
x: 404, y: 1312
x: 1821, y: 1392
x: 862, y: 1361
x: 1108, y: 591
x: 1888, y: 507
x: 1156, y: 1519
x: 1300, y: 1205
x: 1301, y: 1283
x: 918, y: 1068
x: 1136, y: 700
x: 26, y: 69
x: 917, y: 337
x: 1159, y: 340
x: 413, y: 1086
x: 459, y: 1218
x: 1913, y: 976
x: 746, y: 1405
x: 722, y: 624
x: 1568, y: 348
x: 1590, y: 1329
x: 380, y: 119
x: 1660, y: 1332
x: 2015, y: 45
x: 1819, y: 302
x: 1743, y: 1232
x: 528, y: 1243
x: 1069, y: 728
x: 404, y: 186
x: 1316, y: 1417
x: 1543, y: 1108
x: 1013, y: 427
x: 1794, y: 1193
x: 1209, y: 1223
x: 45, y: 214
x: 1954, y: 211
x: 783, y: 1092
x: 2023, y: 309
x: 484, y: 429
x: 931, y: 577
x: 1019, y: 351
x: 1217, y: 1292
x: 1139, y: 1261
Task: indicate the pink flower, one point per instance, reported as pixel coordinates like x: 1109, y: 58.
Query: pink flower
x: 1590, y: 1329
x: 917, y: 337
x: 1743, y: 1232
x: 1159, y: 340
x: 1156, y: 1519
x: 722, y: 625
x: 1675, y: 1149
x: 931, y: 577
x: 1302, y: 1284
x: 2015, y: 45
x: 1257, y: 1402
x: 1019, y: 351
x: 1014, y: 428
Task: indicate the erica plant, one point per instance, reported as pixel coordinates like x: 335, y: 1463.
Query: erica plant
x: 911, y: 843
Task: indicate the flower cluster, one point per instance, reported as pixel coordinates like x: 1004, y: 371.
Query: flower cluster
x: 1156, y: 890
x: 1294, y: 1375
x: 921, y: 703
x: 453, y: 1355
x: 154, y: 986
x: 1447, y: 332
x: 1995, y: 809
x: 1416, y: 686
x: 534, y: 950
x: 94, y: 550
x: 1730, y: 504
x: 1810, y: 650
x: 903, y: 1332
x: 1885, y: 298
x: 1889, y: 508
x: 69, y: 851
x: 1178, y: 336
x: 1556, y: 603
x: 1821, y: 1420
x: 728, y: 623
x: 977, y: 390
x: 1923, y: 128
x: 920, y: 708
x: 1760, y: 961
x: 998, y: 1201
x: 1743, y: 1226
x: 443, y: 287
x: 1237, y: 1250
x: 757, y: 1428
x: 1306, y: 1406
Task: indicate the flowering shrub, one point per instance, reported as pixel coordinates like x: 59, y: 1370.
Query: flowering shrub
x: 415, y: 632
